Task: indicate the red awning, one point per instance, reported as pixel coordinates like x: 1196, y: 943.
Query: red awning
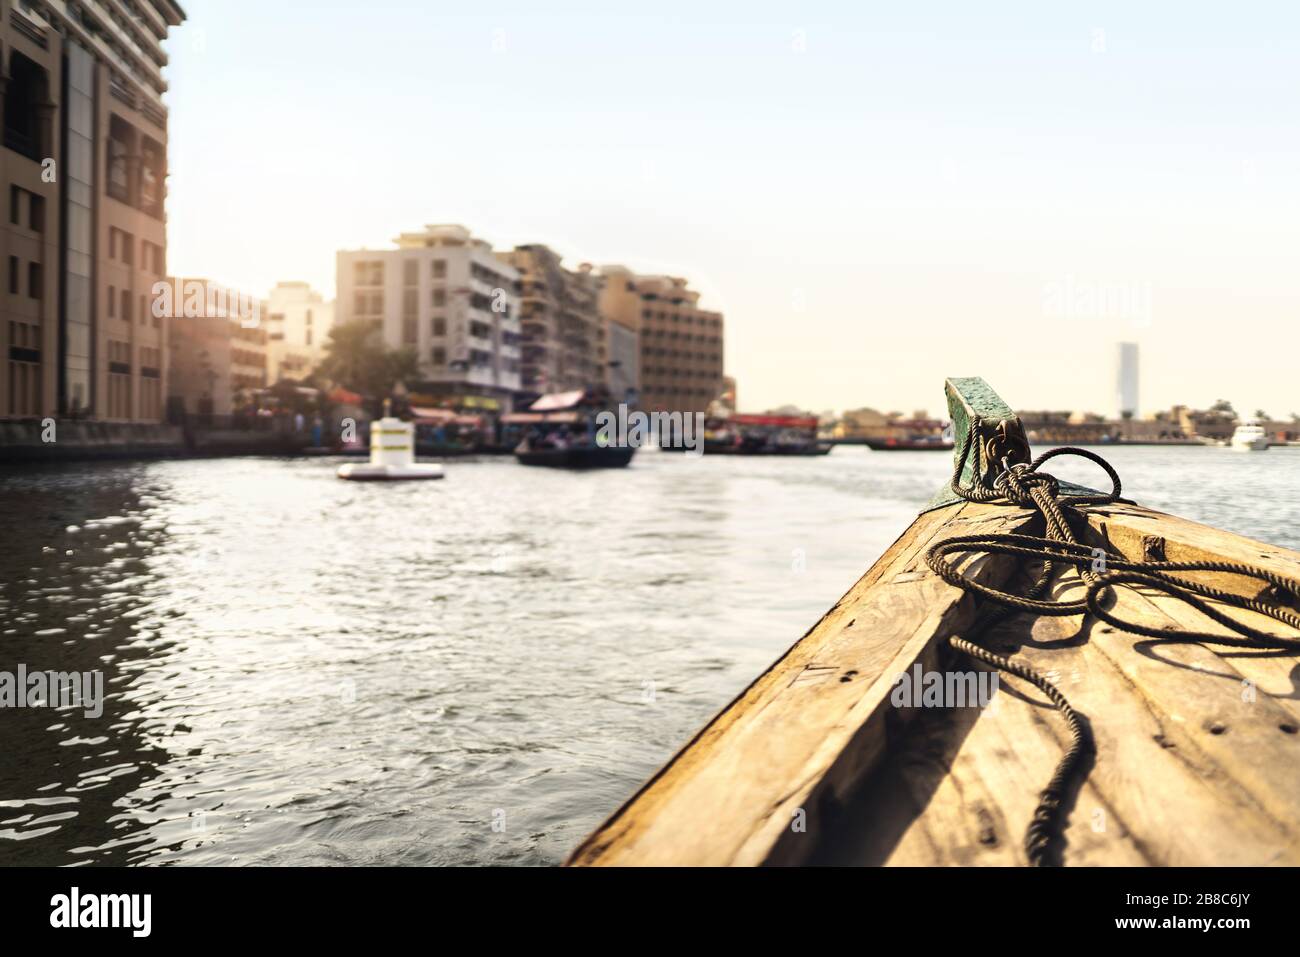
x: 776, y: 421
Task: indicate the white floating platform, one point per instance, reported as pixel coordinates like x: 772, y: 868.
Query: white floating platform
x: 392, y: 456
x: 365, y: 472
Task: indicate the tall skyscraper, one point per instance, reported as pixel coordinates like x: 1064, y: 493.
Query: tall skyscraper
x: 1126, y: 379
x: 85, y: 162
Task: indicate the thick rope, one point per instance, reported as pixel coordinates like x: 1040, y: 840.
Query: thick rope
x: 1025, y: 486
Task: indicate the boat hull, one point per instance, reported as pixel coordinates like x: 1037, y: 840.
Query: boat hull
x: 584, y: 458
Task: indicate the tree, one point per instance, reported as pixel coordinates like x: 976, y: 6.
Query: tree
x: 1223, y: 405
x: 1261, y: 415
x: 356, y: 359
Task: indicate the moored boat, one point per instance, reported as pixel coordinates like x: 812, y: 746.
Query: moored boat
x: 1147, y: 716
x: 774, y: 435
x: 1249, y: 437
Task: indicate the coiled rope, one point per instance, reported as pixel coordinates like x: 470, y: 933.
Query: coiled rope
x: 1025, y: 486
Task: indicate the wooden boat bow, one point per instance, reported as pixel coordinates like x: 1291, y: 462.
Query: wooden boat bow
x: 1195, y: 744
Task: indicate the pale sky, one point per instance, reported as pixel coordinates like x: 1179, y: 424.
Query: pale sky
x: 877, y: 195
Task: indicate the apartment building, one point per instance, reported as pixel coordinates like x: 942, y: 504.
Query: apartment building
x: 298, y: 323
x: 218, y: 349
x: 680, y: 345
x: 443, y: 293
x: 563, y: 345
x: 84, y: 169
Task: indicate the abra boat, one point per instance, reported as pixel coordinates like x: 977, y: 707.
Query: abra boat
x: 561, y: 433
x: 1146, y: 713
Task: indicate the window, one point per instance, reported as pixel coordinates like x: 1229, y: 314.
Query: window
x: 439, y: 269
x: 121, y: 143
x: 112, y: 242
x: 35, y: 281
x: 144, y: 310
x: 440, y: 297
x: 369, y: 273
x: 126, y: 306
x: 151, y: 177
x: 410, y: 272
x: 26, y: 91
x: 439, y: 326
x: 308, y: 341
x: 112, y: 301
x: 439, y: 356
x: 36, y: 215
x: 128, y: 249
x: 410, y: 304
x: 13, y: 274
x: 308, y: 322
x: 408, y: 332
x: 15, y: 201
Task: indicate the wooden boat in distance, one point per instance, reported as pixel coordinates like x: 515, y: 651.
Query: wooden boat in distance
x: 907, y: 445
x: 1194, y: 754
x: 561, y: 432
x: 774, y: 435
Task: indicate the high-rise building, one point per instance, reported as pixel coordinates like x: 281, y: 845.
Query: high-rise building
x: 563, y: 344
x: 1126, y: 379
x: 298, y: 323
x: 85, y: 165
x: 680, y: 344
x: 444, y: 294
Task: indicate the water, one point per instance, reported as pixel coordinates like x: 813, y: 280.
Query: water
x: 306, y: 671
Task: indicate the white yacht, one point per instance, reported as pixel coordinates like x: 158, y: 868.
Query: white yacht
x: 1250, y: 437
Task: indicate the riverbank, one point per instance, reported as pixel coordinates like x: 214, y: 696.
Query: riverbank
x: 49, y: 440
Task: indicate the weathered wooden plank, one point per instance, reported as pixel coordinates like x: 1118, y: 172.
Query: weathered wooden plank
x: 1186, y: 772
x: 802, y: 735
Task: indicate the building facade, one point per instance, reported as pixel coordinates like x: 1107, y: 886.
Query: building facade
x: 85, y: 165
x: 680, y: 345
x: 298, y: 323
x: 218, y: 354
x: 443, y: 293
x: 563, y: 346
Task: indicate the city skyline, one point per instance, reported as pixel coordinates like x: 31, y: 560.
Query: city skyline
x: 875, y: 202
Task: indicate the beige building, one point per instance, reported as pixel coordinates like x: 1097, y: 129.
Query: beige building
x: 298, y: 323
x: 219, y: 354
x: 85, y: 165
x: 680, y: 344
x: 443, y: 293
x: 563, y: 345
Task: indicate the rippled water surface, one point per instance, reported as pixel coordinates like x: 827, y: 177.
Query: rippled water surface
x: 302, y: 670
